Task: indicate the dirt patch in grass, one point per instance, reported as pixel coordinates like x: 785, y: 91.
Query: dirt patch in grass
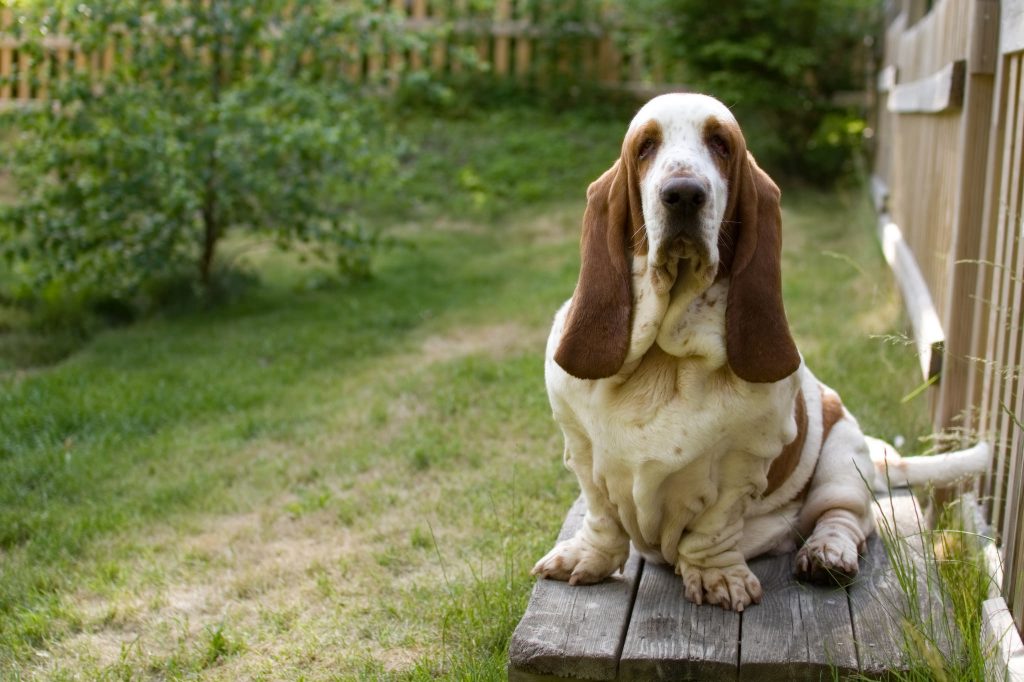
x: 495, y: 341
x: 281, y: 582
x: 554, y: 226
x: 350, y: 583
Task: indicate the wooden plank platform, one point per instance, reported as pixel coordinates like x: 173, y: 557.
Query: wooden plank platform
x: 638, y: 625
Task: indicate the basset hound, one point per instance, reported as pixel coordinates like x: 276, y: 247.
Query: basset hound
x: 690, y: 419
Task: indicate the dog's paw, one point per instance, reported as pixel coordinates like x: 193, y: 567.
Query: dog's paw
x: 733, y: 588
x: 827, y: 558
x: 579, y: 563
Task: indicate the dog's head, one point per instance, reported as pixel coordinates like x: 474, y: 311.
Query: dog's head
x: 686, y: 197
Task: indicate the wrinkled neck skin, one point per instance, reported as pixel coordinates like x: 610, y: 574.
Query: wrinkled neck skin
x: 662, y: 295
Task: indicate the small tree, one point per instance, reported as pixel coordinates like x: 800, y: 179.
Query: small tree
x: 217, y: 115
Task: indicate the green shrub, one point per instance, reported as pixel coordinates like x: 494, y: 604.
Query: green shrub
x: 217, y: 117
x: 779, y: 66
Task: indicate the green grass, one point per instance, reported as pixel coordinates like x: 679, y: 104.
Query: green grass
x: 496, y: 160
x: 943, y: 576
x: 352, y: 480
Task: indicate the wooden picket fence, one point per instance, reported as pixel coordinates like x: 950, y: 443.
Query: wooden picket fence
x: 514, y: 40
x: 949, y: 184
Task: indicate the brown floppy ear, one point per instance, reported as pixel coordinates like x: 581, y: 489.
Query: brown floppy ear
x: 759, y: 346
x: 595, y: 338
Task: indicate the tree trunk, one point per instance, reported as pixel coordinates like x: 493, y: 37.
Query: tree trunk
x: 211, y: 231
x: 211, y: 219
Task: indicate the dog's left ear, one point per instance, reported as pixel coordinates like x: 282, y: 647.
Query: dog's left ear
x: 758, y: 342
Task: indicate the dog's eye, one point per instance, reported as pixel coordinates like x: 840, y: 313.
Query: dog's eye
x: 719, y: 145
x: 646, y: 147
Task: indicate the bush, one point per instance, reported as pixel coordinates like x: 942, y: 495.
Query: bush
x: 778, y: 65
x: 217, y: 117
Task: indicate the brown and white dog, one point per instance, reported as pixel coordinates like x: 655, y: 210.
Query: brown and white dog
x: 694, y: 427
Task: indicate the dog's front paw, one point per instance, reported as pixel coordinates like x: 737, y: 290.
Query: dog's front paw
x: 733, y: 587
x: 827, y: 558
x: 579, y: 563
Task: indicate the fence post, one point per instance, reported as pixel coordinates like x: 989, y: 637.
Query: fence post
x: 968, y: 209
x: 6, y: 54
x: 523, y: 42
x: 502, y: 14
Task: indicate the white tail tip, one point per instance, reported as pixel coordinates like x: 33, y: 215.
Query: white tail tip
x: 945, y: 469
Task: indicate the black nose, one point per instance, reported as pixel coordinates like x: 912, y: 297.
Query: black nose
x: 686, y: 195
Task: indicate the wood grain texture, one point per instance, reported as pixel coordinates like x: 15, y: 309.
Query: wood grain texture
x: 1011, y: 33
x: 798, y: 632
x: 1000, y: 636
x: 984, y: 39
x: 967, y: 227
x: 878, y: 602
x: 574, y: 631
x: 672, y: 638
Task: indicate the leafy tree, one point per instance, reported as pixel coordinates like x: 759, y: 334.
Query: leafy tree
x: 779, y: 65
x: 217, y: 115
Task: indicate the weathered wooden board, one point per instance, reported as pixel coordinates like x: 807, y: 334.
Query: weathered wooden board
x: 877, y: 601
x: 999, y: 636
x: 574, y: 631
x: 672, y: 638
x: 640, y: 627
x: 924, y: 318
x: 1011, y: 35
x: 942, y: 91
x: 798, y: 632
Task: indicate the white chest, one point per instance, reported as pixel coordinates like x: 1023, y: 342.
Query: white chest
x: 676, y: 430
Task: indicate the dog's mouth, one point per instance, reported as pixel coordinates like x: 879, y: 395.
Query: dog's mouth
x: 682, y: 258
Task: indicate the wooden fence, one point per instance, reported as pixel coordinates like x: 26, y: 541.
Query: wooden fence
x: 516, y: 40
x: 949, y: 185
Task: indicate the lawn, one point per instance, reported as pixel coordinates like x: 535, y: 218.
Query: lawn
x: 318, y: 479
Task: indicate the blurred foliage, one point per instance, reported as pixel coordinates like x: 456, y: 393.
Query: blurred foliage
x: 779, y: 65
x: 235, y: 117
x: 786, y: 67
x: 217, y: 116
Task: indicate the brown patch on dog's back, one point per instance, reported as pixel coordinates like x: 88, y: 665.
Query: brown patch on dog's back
x: 831, y: 412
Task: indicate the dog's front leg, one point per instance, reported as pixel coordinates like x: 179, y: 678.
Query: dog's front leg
x: 711, y: 565
x: 600, y: 546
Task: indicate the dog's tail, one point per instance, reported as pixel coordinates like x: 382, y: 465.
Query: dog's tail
x: 893, y: 470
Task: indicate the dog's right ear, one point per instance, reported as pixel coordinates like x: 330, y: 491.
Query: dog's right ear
x: 595, y: 339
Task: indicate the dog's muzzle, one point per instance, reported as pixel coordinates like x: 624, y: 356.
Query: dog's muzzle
x: 684, y: 199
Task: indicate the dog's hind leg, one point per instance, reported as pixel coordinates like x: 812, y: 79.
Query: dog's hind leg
x: 836, y: 517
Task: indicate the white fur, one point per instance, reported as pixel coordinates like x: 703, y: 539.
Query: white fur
x: 672, y: 453
x: 682, y: 151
